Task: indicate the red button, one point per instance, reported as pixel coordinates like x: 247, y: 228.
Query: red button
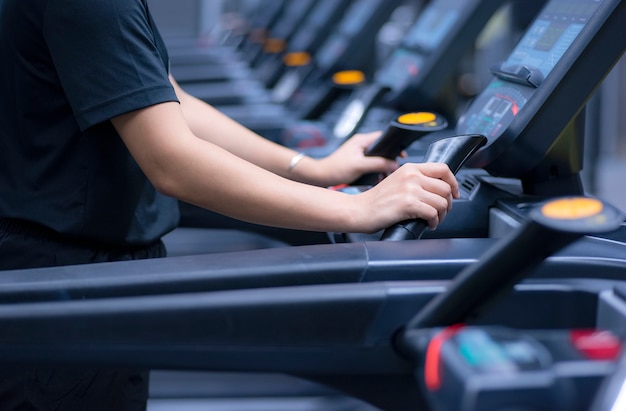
x: 432, y: 365
x: 338, y: 187
x: 596, y: 344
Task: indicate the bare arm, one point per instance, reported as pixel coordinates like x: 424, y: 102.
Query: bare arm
x: 343, y: 166
x: 197, y: 171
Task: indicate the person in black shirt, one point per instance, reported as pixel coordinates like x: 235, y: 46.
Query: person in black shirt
x: 98, y: 143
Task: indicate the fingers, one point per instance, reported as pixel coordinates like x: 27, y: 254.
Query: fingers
x: 442, y: 172
x: 439, y: 188
x: 366, y: 139
x: 434, y: 208
x: 380, y: 165
x: 375, y: 163
x: 432, y: 186
x: 351, y: 155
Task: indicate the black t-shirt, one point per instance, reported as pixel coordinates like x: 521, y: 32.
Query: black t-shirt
x: 66, y: 68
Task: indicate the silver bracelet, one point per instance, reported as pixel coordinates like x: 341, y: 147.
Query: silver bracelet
x: 295, y: 160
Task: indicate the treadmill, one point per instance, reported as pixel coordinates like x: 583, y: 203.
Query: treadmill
x: 421, y: 74
x: 345, y: 314
x: 220, y: 63
x: 306, y: 86
x: 532, y: 113
x: 398, y: 345
x: 350, y: 47
x: 277, y: 24
x: 243, y: 91
x: 305, y: 42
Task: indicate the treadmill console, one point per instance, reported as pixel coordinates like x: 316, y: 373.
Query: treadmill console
x: 420, y: 73
x: 537, y: 53
x: 304, y: 38
x: 529, y: 109
x: 424, y: 37
x: 360, y: 15
x: 294, y: 13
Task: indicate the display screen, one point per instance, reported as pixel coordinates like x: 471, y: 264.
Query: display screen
x: 543, y: 45
x: 494, y: 109
x: 357, y: 16
x: 428, y: 32
x: 320, y: 14
x: 333, y: 49
x: 294, y: 13
x: 551, y: 34
x: 402, y: 66
x: 353, y: 21
x: 432, y: 26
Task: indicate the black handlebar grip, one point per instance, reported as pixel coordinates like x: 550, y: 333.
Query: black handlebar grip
x: 453, y: 151
x: 403, y: 131
x: 400, y: 134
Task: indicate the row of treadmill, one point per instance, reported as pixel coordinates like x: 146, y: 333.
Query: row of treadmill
x: 516, y: 302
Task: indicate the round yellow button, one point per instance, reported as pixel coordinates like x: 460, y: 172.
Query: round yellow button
x: 348, y: 77
x: 274, y: 46
x: 572, y: 208
x: 416, y: 118
x: 297, y: 59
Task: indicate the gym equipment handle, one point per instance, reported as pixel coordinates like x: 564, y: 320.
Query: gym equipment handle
x: 454, y: 151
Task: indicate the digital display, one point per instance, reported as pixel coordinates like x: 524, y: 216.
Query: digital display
x: 313, y: 23
x: 431, y: 27
x: 332, y: 50
x: 356, y: 17
x: 295, y: 12
x: 494, y: 109
x: 352, y: 22
x: 321, y: 12
x: 541, y: 48
x: 551, y: 34
x: 428, y: 32
x: 401, y: 67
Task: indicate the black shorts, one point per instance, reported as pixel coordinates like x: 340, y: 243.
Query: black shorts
x: 27, y: 245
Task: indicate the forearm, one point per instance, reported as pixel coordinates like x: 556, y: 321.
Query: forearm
x: 191, y: 169
x: 211, y: 125
x: 244, y: 191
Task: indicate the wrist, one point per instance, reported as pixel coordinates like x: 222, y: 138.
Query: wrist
x: 295, y: 160
x: 306, y: 169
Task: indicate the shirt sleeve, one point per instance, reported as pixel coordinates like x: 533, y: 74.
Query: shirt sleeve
x: 106, y: 56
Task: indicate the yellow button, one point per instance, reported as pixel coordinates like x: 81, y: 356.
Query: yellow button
x: 348, y: 77
x: 572, y: 208
x: 274, y: 45
x: 297, y: 59
x: 417, y: 118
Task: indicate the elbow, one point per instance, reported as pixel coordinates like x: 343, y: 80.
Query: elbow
x: 164, y: 182
x: 166, y: 186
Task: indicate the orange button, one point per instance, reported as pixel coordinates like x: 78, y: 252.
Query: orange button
x: 297, y: 59
x: 348, y: 77
x: 274, y: 45
x: 416, y: 118
x: 572, y: 208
